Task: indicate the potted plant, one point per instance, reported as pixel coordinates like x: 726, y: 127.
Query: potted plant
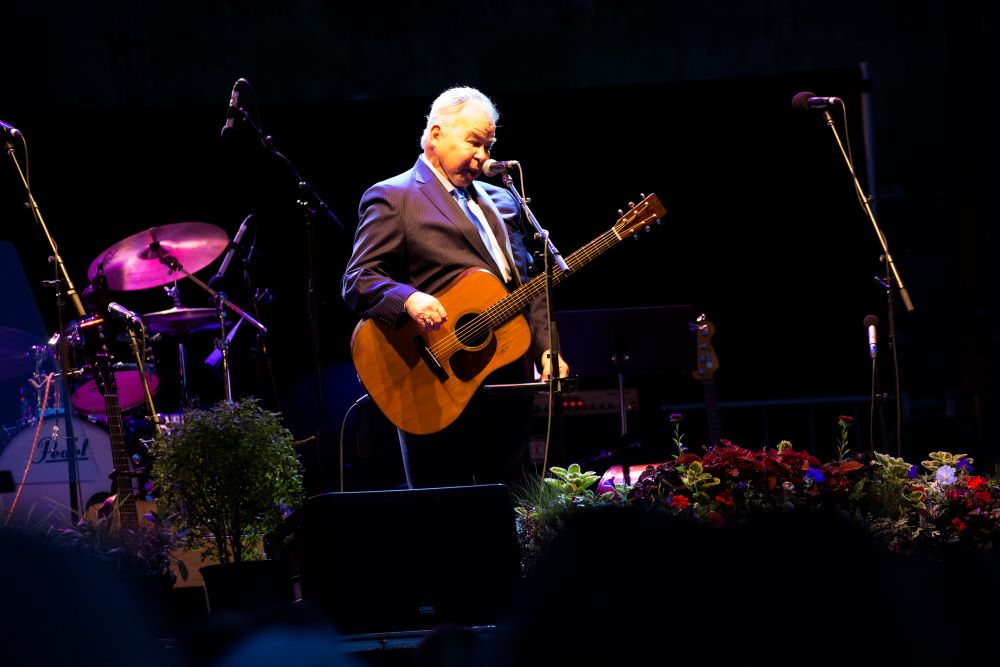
x: 225, y: 477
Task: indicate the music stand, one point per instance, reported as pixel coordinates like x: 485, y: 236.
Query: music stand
x: 633, y: 341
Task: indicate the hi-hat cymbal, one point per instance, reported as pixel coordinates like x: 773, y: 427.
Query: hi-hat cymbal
x: 15, y: 352
x: 181, y: 320
x: 136, y: 262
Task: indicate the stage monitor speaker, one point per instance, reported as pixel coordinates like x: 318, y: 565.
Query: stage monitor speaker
x: 387, y: 561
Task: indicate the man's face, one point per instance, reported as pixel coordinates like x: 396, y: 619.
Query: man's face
x: 462, y: 144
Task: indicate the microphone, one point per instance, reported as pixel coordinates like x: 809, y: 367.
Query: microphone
x: 493, y: 167
x: 232, y: 250
x: 10, y: 129
x: 807, y: 100
x: 234, y: 110
x: 124, y: 312
x: 870, y: 323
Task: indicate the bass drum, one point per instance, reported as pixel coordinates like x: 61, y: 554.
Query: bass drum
x: 45, y: 500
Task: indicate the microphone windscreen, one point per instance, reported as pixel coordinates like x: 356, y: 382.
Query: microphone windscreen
x: 801, y: 100
x: 871, y: 321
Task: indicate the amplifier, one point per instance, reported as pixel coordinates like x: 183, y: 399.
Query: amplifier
x: 589, y: 402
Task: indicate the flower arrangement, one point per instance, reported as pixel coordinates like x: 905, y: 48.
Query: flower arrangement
x: 543, y: 508
x: 144, y: 549
x: 909, y: 507
x: 940, y: 502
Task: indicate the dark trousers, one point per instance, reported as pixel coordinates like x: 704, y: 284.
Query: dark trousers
x: 487, y: 444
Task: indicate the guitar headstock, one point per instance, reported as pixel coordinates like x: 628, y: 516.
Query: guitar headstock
x: 640, y: 216
x: 707, y: 362
x: 104, y: 376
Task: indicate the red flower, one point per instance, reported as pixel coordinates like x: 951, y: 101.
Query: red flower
x: 846, y: 418
x: 717, y: 519
x: 958, y: 523
x: 680, y: 502
x: 725, y: 498
x: 975, y: 482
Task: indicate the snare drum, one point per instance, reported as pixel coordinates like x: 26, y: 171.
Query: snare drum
x: 85, y: 338
x: 45, y: 499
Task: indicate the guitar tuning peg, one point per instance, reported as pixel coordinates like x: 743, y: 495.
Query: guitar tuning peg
x: 631, y: 204
x: 659, y: 222
x: 621, y: 213
x: 648, y: 227
x: 635, y: 236
x: 642, y: 195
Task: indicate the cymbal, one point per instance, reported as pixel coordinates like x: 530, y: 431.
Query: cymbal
x: 182, y: 320
x: 15, y: 352
x: 135, y: 262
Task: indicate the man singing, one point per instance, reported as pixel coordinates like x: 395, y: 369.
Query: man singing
x: 417, y: 233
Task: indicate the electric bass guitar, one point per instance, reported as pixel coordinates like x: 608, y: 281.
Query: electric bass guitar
x: 122, y: 503
x: 707, y: 365
x: 423, y: 380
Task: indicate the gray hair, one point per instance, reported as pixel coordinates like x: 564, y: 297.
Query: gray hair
x: 450, y: 103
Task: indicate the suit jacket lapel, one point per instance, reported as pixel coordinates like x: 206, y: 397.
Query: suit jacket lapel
x: 497, y: 225
x: 438, y: 195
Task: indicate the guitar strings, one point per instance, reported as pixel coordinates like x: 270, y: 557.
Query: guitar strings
x: 503, y: 310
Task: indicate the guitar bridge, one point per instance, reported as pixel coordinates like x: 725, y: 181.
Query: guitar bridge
x: 430, y: 359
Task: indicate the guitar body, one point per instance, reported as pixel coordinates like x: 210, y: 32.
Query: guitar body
x: 110, y: 509
x: 410, y: 389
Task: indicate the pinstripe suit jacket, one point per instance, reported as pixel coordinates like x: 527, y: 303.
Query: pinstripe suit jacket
x: 413, y: 236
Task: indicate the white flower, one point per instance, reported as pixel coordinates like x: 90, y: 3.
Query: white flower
x: 945, y: 476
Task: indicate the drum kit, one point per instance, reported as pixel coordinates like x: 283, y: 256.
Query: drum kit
x: 156, y: 257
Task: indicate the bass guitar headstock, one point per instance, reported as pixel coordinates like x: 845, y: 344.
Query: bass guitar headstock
x: 707, y: 362
x: 104, y: 375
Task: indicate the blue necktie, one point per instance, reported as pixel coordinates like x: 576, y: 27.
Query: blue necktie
x: 463, y: 200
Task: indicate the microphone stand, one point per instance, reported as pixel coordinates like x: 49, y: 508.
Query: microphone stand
x: 310, y: 213
x: 63, y: 274
x: 551, y: 255
x: 133, y: 342
x: 891, y: 273
x: 62, y: 278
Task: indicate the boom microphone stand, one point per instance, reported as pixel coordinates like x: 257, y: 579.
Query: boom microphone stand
x: 313, y: 207
x: 62, y: 278
x: 807, y: 100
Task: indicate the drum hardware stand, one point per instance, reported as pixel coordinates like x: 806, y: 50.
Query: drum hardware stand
x: 174, y: 293
x: 221, y: 303
x: 62, y: 278
x: 62, y: 390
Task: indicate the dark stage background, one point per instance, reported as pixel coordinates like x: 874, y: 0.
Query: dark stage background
x: 122, y: 106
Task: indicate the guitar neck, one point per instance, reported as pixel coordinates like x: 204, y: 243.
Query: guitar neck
x: 122, y: 477
x: 712, y: 408
x: 512, y: 304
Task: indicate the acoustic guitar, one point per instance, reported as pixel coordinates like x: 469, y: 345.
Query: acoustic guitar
x: 707, y: 365
x: 423, y: 380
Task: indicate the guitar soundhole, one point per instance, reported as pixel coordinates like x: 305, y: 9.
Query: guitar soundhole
x: 472, y: 331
